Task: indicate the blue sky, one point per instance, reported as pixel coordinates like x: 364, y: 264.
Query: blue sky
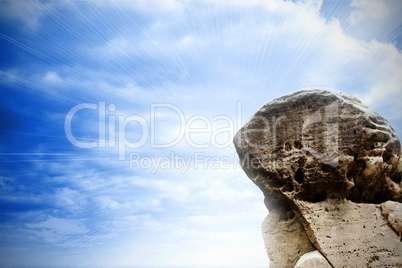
x: 164, y: 86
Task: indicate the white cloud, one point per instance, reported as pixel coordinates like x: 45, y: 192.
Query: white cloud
x: 70, y: 199
x: 52, y: 78
x: 30, y: 12
x: 128, y: 203
x: 106, y: 202
x: 165, y: 188
x: 369, y: 10
x: 5, y: 181
x: 227, y: 194
x: 61, y: 226
x: 10, y: 75
x: 321, y: 54
x: 386, y: 82
x: 149, y: 6
x: 116, y: 47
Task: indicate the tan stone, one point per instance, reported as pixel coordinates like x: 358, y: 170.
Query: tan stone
x: 312, y: 259
x: 336, y: 165
x: 284, y: 238
x: 392, y: 211
x: 350, y: 234
x: 315, y: 144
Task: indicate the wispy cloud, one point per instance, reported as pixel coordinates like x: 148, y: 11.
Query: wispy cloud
x: 60, y: 226
x: 369, y: 10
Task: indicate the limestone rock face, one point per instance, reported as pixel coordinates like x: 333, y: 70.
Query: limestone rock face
x: 330, y: 170
x: 392, y: 211
x: 315, y: 144
x: 284, y: 248
x: 351, y: 234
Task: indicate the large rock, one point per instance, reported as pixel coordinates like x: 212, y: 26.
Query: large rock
x: 315, y: 144
x: 331, y: 162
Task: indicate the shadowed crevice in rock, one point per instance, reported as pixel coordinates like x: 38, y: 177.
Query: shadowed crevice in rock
x: 327, y: 159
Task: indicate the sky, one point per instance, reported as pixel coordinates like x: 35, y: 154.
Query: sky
x: 117, y: 119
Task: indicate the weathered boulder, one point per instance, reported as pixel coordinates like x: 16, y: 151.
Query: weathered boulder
x: 315, y: 144
x: 330, y: 171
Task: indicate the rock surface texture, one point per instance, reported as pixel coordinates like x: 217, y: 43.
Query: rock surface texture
x: 284, y: 247
x: 328, y: 168
x: 312, y: 259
